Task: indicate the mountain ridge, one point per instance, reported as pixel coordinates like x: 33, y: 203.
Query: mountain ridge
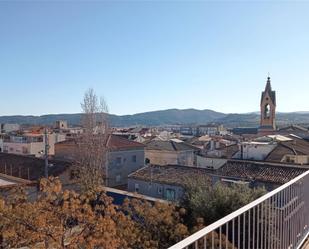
x: 165, y: 117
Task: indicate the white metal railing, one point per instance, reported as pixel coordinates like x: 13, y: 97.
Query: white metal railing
x: 277, y: 220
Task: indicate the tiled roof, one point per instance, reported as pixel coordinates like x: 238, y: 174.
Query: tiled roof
x: 169, y: 174
x: 20, y: 166
x: 231, y: 150
x: 294, y: 147
x: 118, y: 142
x: 169, y: 146
x: 293, y: 128
x: 243, y: 170
x: 266, y: 172
x: 114, y: 142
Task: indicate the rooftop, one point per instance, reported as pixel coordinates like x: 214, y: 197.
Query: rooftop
x: 261, y: 171
x: 169, y: 174
x: 6, y: 180
x: 295, y: 146
x: 169, y: 146
x: 244, y: 170
x: 118, y: 142
x: 114, y: 142
x: 24, y: 166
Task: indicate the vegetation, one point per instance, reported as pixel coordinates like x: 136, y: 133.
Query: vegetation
x: 92, y: 143
x: 65, y: 219
x: 60, y: 218
x: 201, y: 200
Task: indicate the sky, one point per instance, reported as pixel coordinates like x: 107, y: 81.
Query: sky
x: 145, y: 56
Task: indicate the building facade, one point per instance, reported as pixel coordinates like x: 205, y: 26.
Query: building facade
x: 31, y: 144
x: 170, y: 152
x: 123, y: 157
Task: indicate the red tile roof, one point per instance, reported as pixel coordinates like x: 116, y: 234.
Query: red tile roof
x: 114, y: 142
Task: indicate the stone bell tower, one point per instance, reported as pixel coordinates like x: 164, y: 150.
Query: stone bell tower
x: 268, y: 110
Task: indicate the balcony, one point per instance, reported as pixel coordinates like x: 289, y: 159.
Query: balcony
x: 277, y: 220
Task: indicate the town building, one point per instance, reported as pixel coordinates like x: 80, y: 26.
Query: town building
x: 169, y: 182
x: 254, y: 150
x: 124, y: 157
x: 275, y: 148
x: 6, y: 128
x: 61, y: 125
x: 32, y: 168
x: 211, y: 129
x: 32, y: 144
x: 170, y: 152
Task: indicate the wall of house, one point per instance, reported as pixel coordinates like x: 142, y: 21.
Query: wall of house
x: 65, y: 151
x: 52, y: 139
x: 254, y: 151
x: 170, y: 157
x: 122, y: 163
x: 155, y: 189
x: 5, y: 128
x: 37, y: 149
x: 208, y: 162
x: 1, y: 145
x: 298, y: 159
x: 161, y: 157
x: 24, y: 148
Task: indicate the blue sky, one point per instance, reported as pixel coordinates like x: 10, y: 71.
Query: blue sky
x: 144, y: 56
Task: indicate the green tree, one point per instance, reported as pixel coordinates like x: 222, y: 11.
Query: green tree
x: 202, y: 200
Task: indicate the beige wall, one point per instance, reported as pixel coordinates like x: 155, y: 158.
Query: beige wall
x: 33, y: 148
x: 299, y: 159
x: 208, y: 162
x: 170, y: 157
x: 23, y: 148
x: 65, y: 151
x: 52, y: 139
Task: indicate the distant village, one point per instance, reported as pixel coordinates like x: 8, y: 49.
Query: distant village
x: 153, y: 162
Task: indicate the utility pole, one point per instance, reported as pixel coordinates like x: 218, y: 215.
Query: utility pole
x: 46, y: 153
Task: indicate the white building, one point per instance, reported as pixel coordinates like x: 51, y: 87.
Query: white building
x: 31, y: 144
x: 254, y: 150
x: 6, y: 128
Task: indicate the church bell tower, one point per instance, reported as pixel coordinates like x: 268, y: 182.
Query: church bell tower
x: 268, y: 110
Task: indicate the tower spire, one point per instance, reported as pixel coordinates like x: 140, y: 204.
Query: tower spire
x: 268, y: 85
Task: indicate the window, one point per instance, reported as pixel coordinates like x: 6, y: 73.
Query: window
x: 25, y: 150
x: 118, y: 178
x: 134, y: 158
x: 136, y: 187
x: 170, y: 194
x: 290, y: 159
x: 118, y: 160
x: 267, y: 111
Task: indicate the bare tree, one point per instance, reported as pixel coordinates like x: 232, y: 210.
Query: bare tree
x: 92, y: 144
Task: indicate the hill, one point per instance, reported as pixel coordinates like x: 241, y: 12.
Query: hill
x: 167, y: 117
